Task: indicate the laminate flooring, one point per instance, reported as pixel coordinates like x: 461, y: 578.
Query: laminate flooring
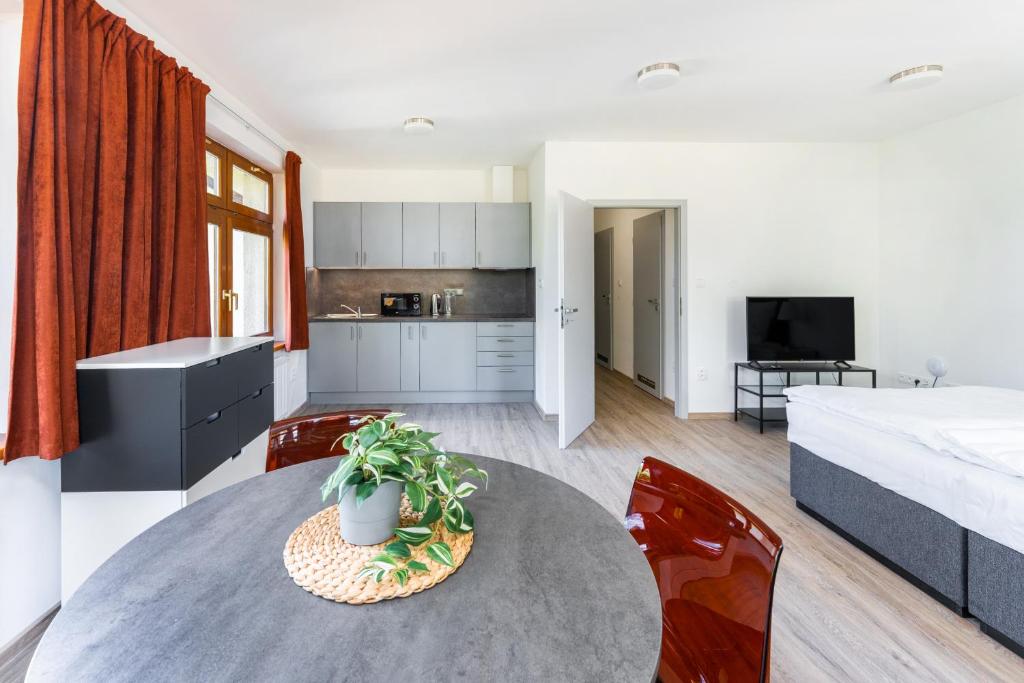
x: 838, y: 614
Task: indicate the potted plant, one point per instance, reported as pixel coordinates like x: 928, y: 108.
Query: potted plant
x: 384, y: 460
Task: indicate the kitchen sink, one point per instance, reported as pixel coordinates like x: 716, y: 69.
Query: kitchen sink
x: 348, y: 316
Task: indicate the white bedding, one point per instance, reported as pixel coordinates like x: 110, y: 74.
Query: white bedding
x: 980, y: 425
x: 985, y: 501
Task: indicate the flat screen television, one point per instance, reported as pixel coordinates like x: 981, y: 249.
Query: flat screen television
x: 800, y: 328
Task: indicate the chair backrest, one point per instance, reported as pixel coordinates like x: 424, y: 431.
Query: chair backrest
x: 715, y: 565
x: 309, y: 437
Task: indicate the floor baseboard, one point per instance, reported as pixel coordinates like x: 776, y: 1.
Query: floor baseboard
x: 546, y: 417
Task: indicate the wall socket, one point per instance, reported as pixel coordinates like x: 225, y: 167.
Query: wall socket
x: 702, y: 374
x: 910, y: 379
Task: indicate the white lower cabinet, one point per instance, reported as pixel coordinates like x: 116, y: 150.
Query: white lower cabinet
x: 332, y: 358
x: 447, y: 356
x: 380, y: 350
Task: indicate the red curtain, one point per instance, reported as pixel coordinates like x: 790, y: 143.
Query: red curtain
x: 296, y: 330
x: 111, y: 250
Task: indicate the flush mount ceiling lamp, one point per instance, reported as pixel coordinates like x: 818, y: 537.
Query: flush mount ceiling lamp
x: 418, y: 125
x: 657, y: 76
x: 917, y: 77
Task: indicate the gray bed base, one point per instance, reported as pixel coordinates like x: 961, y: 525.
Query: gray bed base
x: 972, y: 575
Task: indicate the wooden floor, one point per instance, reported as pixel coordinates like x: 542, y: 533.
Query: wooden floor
x: 839, y: 615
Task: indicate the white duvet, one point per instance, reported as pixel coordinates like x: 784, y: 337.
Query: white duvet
x: 980, y: 425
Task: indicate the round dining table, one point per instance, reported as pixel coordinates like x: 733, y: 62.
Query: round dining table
x: 554, y: 589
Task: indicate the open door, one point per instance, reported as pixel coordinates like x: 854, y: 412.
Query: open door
x: 576, y: 329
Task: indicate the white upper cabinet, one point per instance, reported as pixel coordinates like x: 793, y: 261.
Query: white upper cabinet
x: 337, y: 234
x: 420, y: 246
x: 458, y: 235
x: 382, y: 235
x: 503, y: 235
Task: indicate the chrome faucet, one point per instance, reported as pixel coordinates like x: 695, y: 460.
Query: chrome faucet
x: 359, y: 312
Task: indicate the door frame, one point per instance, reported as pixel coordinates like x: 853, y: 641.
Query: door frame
x: 611, y: 299
x: 679, y: 287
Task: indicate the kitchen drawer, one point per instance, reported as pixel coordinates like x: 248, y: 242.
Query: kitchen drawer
x: 506, y: 329
x: 207, y: 388
x: 504, y: 343
x: 255, y: 413
x: 253, y: 368
x: 207, y: 444
x: 486, y: 359
x: 504, y: 379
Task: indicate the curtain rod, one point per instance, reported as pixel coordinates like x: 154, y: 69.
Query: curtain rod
x: 248, y: 125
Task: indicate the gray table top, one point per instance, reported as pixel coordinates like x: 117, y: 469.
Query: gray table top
x: 554, y: 589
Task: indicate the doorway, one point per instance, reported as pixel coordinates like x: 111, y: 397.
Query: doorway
x: 648, y: 288
x: 604, y: 273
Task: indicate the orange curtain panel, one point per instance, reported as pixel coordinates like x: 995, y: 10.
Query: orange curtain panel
x: 111, y: 247
x: 296, y: 320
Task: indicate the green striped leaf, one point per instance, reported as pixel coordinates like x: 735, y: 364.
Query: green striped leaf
x: 397, y: 549
x: 414, y: 535
x: 432, y: 513
x: 383, y: 561
x: 445, y: 482
x: 467, y: 522
x: 440, y: 552
x: 464, y: 489
x: 417, y: 495
x: 453, y: 516
x: 382, y: 456
x: 401, y: 576
x: 417, y: 566
x: 364, y: 491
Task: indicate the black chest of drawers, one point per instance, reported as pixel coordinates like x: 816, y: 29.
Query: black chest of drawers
x: 164, y: 429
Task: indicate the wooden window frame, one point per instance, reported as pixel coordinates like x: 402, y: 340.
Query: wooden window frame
x: 246, y: 165
x: 219, y: 217
x: 246, y: 224
x: 221, y: 153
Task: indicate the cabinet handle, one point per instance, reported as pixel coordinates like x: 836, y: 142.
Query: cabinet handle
x: 423, y: 332
x: 410, y: 332
x: 506, y: 355
x: 364, y: 258
x: 352, y: 333
x: 506, y: 340
x: 435, y: 258
x: 357, y: 258
x: 359, y: 332
x: 479, y: 258
x: 505, y: 325
x: 213, y: 417
x: 212, y: 363
x: 444, y: 257
x: 506, y: 370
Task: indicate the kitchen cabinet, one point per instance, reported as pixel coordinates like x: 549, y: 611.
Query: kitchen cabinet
x: 379, y: 367
x: 447, y: 356
x: 420, y: 246
x: 503, y: 235
x: 332, y: 357
x: 457, y: 228
x: 382, y: 235
x: 337, y: 234
x: 410, y: 356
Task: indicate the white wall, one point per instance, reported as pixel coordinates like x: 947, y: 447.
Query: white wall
x: 29, y: 487
x: 952, y: 247
x: 763, y: 219
x: 414, y: 185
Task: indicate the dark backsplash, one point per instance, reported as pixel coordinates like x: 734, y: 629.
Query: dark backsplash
x: 487, y: 292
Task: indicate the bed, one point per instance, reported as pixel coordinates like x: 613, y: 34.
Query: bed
x: 930, y: 482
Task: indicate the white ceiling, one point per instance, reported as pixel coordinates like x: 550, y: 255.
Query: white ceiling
x: 338, y: 78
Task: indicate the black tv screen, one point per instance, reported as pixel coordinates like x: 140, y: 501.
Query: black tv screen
x: 800, y: 328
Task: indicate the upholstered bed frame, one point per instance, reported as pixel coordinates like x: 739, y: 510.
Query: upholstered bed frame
x: 971, y: 574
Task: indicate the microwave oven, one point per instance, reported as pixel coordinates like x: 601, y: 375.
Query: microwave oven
x: 400, y: 304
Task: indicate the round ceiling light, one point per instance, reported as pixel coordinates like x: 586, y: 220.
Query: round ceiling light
x: 418, y: 125
x: 917, y: 77
x: 660, y: 75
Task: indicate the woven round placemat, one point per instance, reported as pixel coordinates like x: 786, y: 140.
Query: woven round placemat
x: 322, y: 563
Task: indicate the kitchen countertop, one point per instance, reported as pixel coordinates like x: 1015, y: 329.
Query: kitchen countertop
x: 457, y: 318
x: 180, y: 353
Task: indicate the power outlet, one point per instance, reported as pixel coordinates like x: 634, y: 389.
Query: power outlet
x: 702, y: 374
x: 912, y: 380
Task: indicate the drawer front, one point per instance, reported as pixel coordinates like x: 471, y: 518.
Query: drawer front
x: 207, y: 444
x: 486, y: 359
x: 504, y: 343
x: 504, y: 379
x: 506, y: 329
x: 255, y: 413
x: 253, y: 368
x: 207, y: 388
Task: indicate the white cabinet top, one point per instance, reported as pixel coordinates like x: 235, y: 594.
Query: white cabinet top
x: 180, y: 353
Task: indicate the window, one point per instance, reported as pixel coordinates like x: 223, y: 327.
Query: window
x: 239, y: 210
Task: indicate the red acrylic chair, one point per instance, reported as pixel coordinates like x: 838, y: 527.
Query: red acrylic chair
x: 715, y: 566
x: 309, y: 437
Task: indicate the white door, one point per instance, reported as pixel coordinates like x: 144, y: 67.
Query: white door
x: 648, y: 237
x: 576, y: 330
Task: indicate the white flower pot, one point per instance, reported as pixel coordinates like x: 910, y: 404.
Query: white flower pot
x: 375, y: 520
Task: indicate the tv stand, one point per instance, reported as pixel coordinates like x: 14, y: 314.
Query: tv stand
x: 762, y: 391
